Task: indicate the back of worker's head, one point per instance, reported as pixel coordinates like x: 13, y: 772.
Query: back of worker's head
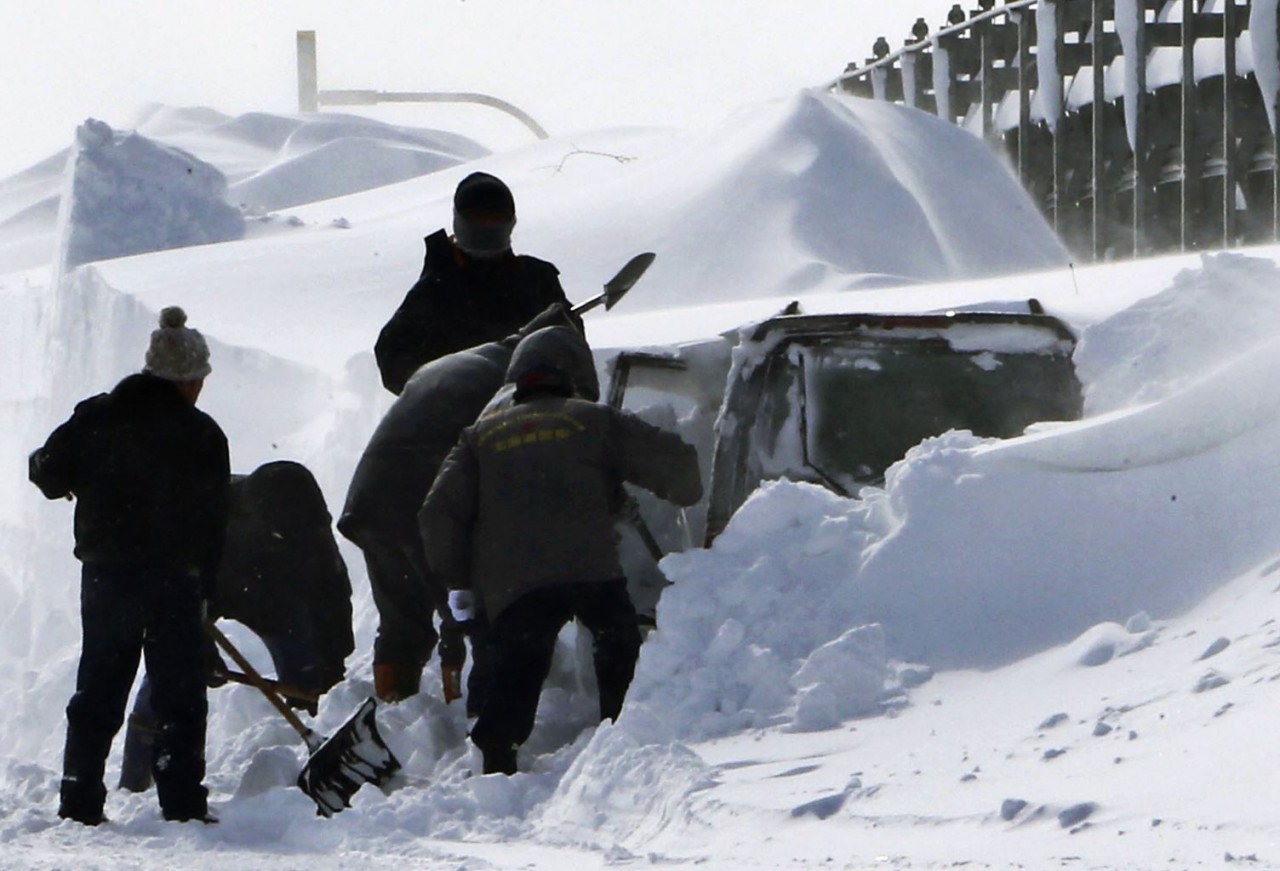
x: 554, y: 361
x: 177, y: 352
x: 484, y: 214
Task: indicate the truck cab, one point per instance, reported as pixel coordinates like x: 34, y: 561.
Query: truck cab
x: 836, y: 399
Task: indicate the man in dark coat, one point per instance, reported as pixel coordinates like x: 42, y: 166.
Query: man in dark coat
x: 150, y: 475
x: 472, y: 290
x: 391, y: 480
x: 520, y: 522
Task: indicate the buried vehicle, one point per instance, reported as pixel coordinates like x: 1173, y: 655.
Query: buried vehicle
x: 835, y: 399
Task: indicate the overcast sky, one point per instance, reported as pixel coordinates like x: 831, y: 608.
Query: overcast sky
x: 571, y: 64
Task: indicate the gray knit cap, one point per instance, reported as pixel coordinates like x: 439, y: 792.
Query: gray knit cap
x: 177, y: 353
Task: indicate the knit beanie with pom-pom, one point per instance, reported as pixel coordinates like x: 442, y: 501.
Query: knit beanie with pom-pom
x: 177, y: 353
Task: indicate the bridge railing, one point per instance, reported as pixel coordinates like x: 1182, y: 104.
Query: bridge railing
x: 1136, y: 128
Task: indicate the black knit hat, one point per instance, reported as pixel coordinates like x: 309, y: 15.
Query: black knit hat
x: 481, y: 192
x: 484, y: 214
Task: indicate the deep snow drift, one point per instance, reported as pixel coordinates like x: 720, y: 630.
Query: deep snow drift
x: 1014, y: 653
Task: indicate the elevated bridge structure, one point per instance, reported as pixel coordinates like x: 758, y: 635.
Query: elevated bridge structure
x: 1137, y: 126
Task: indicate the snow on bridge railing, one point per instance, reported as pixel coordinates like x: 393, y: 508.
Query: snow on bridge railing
x: 1122, y: 157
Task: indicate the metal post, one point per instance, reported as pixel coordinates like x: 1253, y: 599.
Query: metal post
x: 1023, y: 20
x: 308, y: 81
x: 986, y: 89
x: 1188, y: 121
x: 1140, y: 132
x: 1099, y: 101
x: 1059, y: 147
x: 1228, y: 124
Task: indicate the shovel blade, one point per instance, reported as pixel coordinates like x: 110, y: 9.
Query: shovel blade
x: 353, y: 756
x: 616, y: 288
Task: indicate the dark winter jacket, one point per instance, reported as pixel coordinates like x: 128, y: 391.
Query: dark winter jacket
x: 282, y: 574
x: 421, y: 427
x: 529, y: 496
x: 150, y: 474
x: 459, y: 303
x: 413, y: 438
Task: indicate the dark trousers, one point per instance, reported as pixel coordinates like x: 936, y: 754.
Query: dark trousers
x: 522, y: 640
x: 481, y: 676
x: 131, y: 612
x: 398, y: 579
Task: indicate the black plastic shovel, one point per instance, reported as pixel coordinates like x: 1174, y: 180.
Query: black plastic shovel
x: 340, y: 764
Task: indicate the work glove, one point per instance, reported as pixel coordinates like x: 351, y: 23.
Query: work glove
x: 462, y: 605
x: 453, y: 656
x: 451, y: 682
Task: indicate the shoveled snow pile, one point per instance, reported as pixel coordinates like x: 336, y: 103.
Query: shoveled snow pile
x: 130, y: 195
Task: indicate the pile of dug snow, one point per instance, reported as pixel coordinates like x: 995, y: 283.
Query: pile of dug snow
x: 129, y: 195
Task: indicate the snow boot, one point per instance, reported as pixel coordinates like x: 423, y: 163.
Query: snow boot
x: 499, y: 760
x: 207, y: 818
x: 84, y: 817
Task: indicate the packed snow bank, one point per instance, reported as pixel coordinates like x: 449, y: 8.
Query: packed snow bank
x: 274, y: 161
x: 977, y: 552
x: 1212, y: 314
x: 807, y: 195
x: 267, y: 162
x: 29, y: 214
x: 340, y: 155
x: 130, y: 195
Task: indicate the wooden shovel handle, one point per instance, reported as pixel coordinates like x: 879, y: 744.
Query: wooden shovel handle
x: 288, y: 690
x: 260, y: 682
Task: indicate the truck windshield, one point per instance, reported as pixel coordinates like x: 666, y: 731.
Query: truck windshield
x: 865, y: 407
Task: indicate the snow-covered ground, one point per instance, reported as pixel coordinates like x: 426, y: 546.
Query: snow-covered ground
x: 1051, y: 651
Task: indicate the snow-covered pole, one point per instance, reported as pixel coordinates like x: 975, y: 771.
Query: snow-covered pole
x: 986, y: 64
x: 1023, y: 21
x: 1097, y: 142
x: 880, y: 74
x: 942, y: 81
x: 1228, y: 123
x: 1264, y: 35
x: 879, y: 82
x: 1049, y: 90
x: 1188, y: 138
x: 910, y: 87
x: 1131, y: 27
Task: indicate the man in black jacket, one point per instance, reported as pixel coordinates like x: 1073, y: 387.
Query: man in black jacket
x: 150, y: 475
x: 472, y: 290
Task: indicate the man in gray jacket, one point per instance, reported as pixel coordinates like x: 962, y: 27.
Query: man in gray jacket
x: 520, y: 523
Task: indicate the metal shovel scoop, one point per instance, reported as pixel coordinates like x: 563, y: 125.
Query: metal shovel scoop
x: 340, y: 764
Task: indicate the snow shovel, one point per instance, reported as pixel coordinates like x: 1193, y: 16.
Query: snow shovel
x: 616, y: 288
x: 340, y: 764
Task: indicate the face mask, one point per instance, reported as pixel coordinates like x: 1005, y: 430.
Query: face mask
x: 484, y: 237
